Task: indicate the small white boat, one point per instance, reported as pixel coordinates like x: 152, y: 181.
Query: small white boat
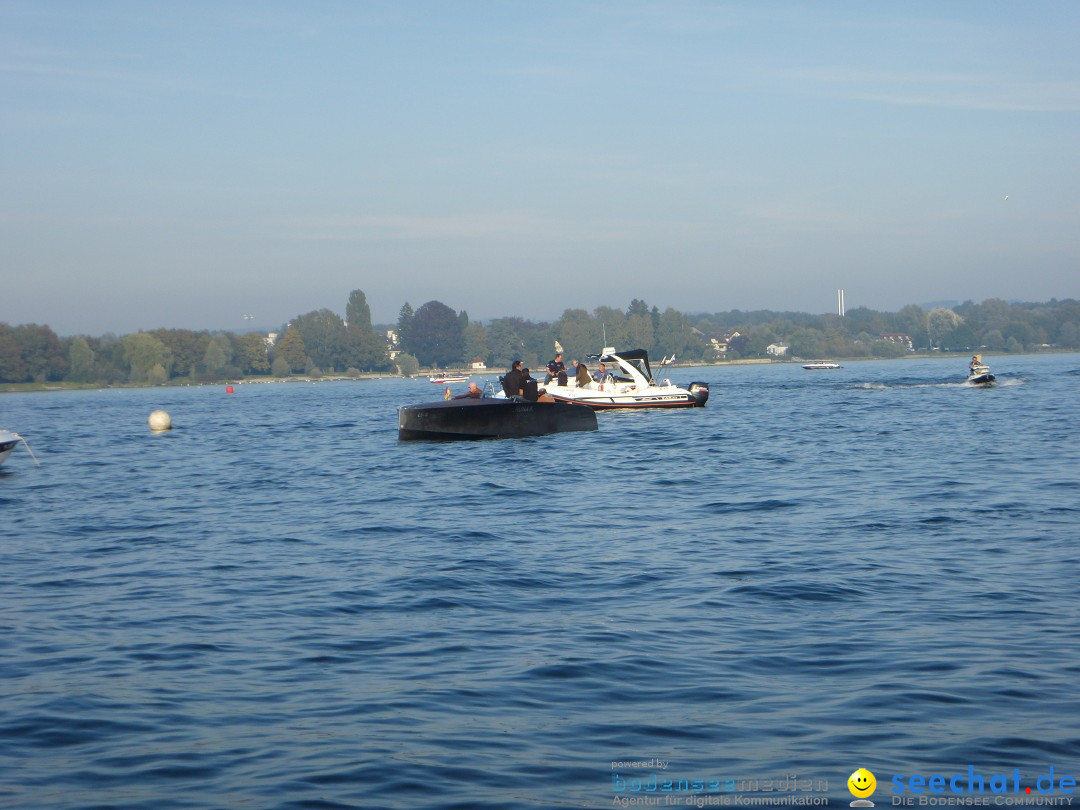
x: 441, y: 378
x: 820, y: 364
x: 632, y: 386
x: 8, y: 440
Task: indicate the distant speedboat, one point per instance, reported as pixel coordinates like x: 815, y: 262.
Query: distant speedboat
x: 490, y: 418
x: 8, y: 440
x: 820, y: 364
x: 441, y: 378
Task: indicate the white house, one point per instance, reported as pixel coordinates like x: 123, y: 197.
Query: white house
x: 776, y: 350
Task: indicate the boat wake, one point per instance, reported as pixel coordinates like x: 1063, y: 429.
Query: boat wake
x: 964, y: 384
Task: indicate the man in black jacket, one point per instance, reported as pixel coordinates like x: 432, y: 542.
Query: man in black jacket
x: 512, y: 380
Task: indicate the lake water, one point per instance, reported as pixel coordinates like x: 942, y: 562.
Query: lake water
x: 278, y: 605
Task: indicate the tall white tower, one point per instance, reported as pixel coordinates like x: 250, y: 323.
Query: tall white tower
x: 840, y: 303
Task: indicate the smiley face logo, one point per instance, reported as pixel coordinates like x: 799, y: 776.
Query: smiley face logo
x: 861, y: 783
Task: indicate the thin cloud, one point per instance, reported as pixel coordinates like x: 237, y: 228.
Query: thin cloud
x: 474, y: 226
x: 949, y: 90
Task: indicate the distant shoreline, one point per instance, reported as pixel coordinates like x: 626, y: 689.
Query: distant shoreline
x: 17, y: 388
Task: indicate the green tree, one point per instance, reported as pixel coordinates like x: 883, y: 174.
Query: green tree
x: 187, y: 349
x: 252, y: 356
x: 614, y: 329
x: 280, y: 367
x: 80, y: 360
x: 578, y: 333
x: 408, y: 366
x: 504, y: 343
x: 940, y: 323
x: 290, y: 349
x: 911, y: 321
x: 807, y: 342
x: 476, y: 342
x: 12, y: 366
x: 404, y: 327
x: 436, y: 335
x: 357, y: 312
x: 326, y: 340
x: 218, y: 355
x: 640, y: 329
x: 369, y: 351
x: 144, y: 353
x: 678, y: 337
x: 41, y: 352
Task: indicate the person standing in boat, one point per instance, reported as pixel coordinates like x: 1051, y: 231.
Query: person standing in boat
x: 975, y: 361
x: 556, y: 370
x: 581, y: 376
x: 511, y: 381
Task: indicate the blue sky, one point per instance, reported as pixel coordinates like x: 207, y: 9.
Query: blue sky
x: 184, y: 164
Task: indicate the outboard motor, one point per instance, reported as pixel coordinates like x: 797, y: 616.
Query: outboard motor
x: 700, y: 392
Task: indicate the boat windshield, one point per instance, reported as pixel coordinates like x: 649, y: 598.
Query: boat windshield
x: 637, y: 359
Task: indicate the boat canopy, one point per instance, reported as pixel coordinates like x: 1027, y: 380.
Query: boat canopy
x: 638, y: 358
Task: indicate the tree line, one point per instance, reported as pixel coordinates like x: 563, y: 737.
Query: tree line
x: 434, y: 335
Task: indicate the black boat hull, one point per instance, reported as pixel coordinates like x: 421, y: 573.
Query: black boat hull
x: 489, y: 418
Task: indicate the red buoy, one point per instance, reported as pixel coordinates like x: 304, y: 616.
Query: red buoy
x: 229, y: 389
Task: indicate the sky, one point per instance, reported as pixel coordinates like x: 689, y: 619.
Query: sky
x: 186, y: 165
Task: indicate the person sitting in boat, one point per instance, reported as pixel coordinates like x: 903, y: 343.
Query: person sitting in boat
x: 511, y: 381
x: 601, y: 373
x: 474, y: 392
x: 530, y: 388
x: 556, y: 370
x: 582, y: 376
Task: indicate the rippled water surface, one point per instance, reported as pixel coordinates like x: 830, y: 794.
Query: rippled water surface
x: 277, y: 605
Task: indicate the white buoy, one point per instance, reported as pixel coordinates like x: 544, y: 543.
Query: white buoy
x: 160, y: 420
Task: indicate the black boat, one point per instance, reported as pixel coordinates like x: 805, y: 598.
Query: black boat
x: 491, y: 418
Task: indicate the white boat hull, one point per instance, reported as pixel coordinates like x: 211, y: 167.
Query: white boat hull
x: 614, y: 395
x: 8, y: 440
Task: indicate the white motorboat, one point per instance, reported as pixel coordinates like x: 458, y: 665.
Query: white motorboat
x: 630, y: 386
x: 8, y: 440
x: 441, y: 378
x: 820, y: 364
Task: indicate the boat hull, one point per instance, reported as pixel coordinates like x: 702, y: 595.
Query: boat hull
x: 981, y: 379
x: 490, y: 418
x: 7, y: 444
x: 611, y: 397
